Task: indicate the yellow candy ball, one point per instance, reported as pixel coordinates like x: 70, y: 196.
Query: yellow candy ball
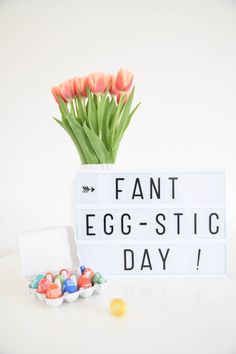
x: 118, y: 307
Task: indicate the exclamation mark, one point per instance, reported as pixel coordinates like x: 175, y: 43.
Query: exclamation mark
x: 198, y: 258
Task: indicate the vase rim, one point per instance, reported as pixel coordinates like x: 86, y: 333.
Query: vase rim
x: 105, y: 166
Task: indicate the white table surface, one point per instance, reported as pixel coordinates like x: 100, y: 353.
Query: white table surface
x: 165, y: 315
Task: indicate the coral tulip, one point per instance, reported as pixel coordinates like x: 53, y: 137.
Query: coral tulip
x: 97, y: 82
x: 125, y: 94
x: 124, y: 80
x: 67, y: 90
x: 80, y: 84
x: 108, y: 80
x: 56, y: 91
x: 113, y: 89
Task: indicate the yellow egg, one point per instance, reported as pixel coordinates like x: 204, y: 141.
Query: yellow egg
x: 118, y: 307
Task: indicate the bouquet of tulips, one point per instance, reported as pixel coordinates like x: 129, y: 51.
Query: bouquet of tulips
x: 95, y: 112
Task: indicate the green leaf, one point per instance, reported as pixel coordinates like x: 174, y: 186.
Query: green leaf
x: 72, y: 109
x: 113, y: 108
x: 84, y: 142
x: 130, y: 115
x: 82, y: 138
x: 105, y: 124
x: 106, y: 105
x: 80, y: 110
x: 123, y: 119
x: 68, y: 129
x: 92, y: 112
x: 59, y: 122
x: 114, y: 153
x: 109, y: 111
x: 116, y: 118
x: 97, y: 145
x: 63, y: 107
x: 72, y: 119
x: 101, y: 100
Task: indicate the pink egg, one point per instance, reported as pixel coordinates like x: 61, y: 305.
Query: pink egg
x: 65, y: 272
x: 43, y: 285
x: 89, y: 273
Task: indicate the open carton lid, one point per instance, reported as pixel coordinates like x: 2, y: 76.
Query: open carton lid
x: 48, y: 250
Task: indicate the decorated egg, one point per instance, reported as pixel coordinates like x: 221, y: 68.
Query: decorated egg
x: 53, y: 291
x: 43, y: 285
x: 50, y: 276
x: 84, y: 282
x: 88, y: 272
x: 60, y: 278
x: 36, y: 281
x: 65, y: 273
x: 69, y: 286
x: 73, y: 277
x: 98, y: 278
x: 118, y: 307
x: 82, y: 269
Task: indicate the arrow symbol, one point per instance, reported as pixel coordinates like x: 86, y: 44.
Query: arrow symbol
x: 86, y: 189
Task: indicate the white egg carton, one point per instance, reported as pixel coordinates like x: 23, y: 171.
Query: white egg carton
x: 52, y: 249
x: 69, y: 297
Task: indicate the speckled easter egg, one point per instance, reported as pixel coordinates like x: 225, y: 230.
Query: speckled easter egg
x: 43, y: 285
x: 69, y: 286
x: 98, y: 278
x: 53, y: 291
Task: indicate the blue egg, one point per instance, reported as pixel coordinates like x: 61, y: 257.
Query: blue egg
x: 82, y: 269
x: 69, y: 286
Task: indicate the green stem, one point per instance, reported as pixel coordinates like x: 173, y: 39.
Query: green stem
x: 72, y: 109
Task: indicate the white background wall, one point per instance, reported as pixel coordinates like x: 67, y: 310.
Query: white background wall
x: 183, y: 54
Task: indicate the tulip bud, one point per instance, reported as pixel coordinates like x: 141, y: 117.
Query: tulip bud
x: 97, y: 82
x: 67, y: 90
x: 123, y: 94
x: 124, y: 80
x: 113, y: 90
x: 56, y: 91
x: 80, y: 84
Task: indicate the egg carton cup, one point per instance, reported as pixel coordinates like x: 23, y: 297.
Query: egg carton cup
x: 71, y: 297
x: 41, y: 297
x: 33, y: 292
x: 54, y: 302
x: 99, y: 288
x: 68, y: 297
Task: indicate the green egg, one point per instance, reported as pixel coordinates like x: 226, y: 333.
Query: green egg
x: 98, y: 278
x: 61, y: 278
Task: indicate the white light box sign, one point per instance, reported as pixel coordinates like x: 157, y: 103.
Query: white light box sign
x: 184, y: 209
